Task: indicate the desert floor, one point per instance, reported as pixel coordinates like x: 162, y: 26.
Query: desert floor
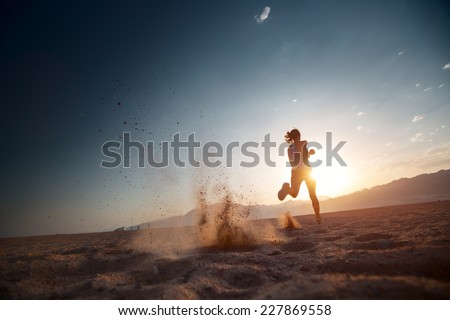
x: 397, y: 252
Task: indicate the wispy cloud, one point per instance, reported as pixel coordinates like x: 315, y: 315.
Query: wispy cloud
x: 436, y: 157
x: 388, y: 143
x: 294, y: 100
x: 418, y: 118
x: 417, y: 137
x: 417, y: 85
x: 359, y: 128
x: 263, y: 16
x: 441, y: 85
x: 443, y: 150
x: 427, y: 89
x: 360, y: 113
x: 447, y: 66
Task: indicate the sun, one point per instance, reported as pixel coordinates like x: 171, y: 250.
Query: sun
x: 331, y: 181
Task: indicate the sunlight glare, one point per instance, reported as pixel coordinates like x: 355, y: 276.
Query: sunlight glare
x: 331, y: 181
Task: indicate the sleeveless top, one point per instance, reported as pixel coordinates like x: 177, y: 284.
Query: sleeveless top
x: 298, y: 159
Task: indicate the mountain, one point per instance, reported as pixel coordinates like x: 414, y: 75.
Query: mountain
x: 421, y: 188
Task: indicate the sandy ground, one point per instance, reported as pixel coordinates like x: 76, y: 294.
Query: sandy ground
x: 398, y: 252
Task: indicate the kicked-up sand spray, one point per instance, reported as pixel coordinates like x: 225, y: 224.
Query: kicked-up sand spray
x: 225, y: 225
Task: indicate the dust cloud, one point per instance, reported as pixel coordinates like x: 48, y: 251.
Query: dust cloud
x: 225, y: 225
x: 289, y: 222
x: 220, y: 222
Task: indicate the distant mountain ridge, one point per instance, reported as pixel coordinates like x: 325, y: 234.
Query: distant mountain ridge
x: 421, y: 188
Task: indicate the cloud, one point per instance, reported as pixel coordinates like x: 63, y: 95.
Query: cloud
x: 417, y: 118
x: 436, y: 157
x: 442, y: 150
x: 447, y: 66
x: 417, y: 85
x: 418, y: 137
x: 427, y: 89
x: 360, y: 113
x: 263, y: 16
x: 388, y: 143
x: 294, y: 100
x: 441, y: 85
x: 359, y: 128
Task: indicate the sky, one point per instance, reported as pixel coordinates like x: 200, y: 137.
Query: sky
x: 75, y: 75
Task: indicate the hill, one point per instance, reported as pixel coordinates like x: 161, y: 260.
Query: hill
x: 421, y: 188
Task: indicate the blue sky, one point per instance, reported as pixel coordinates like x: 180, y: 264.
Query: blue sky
x: 372, y: 73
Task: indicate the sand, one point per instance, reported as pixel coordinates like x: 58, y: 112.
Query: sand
x: 397, y: 252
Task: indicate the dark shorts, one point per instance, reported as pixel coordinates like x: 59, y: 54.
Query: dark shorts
x: 298, y: 176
